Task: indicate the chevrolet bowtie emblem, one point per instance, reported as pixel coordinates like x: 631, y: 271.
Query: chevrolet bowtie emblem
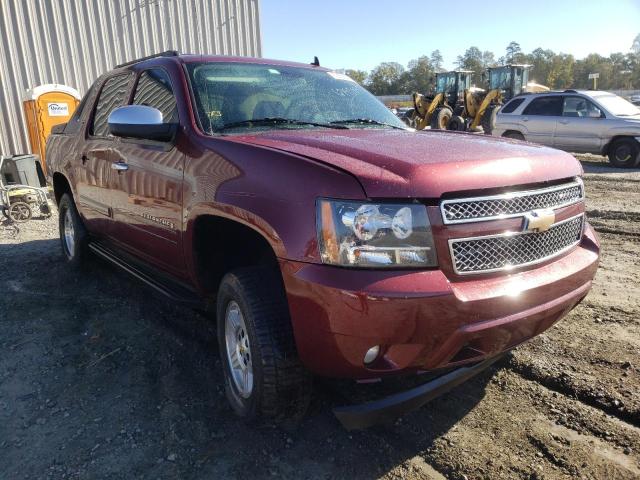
x: 538, y: 220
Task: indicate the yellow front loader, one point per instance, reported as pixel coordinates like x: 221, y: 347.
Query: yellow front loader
x: 505, y: 82
x: 440, y: 110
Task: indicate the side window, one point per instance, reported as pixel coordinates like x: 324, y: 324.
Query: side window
x: 512, y: 105
x: 112, y: 95
x: 73, y: 125
x: 545, y: 106
x: 580, y: 107
x: 154, y: 90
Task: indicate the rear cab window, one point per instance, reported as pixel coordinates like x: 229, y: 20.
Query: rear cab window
x: 545, y: 106
x: 512, y: 105
x: 113, y: 95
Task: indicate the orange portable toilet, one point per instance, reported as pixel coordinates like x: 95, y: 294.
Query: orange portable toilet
x: 44, y: 107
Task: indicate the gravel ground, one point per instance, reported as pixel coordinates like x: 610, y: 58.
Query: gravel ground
x: 100, y: 378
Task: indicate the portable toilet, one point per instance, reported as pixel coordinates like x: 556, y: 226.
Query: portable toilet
x: 44, y: 107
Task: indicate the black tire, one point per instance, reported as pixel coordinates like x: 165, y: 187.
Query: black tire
x: 77, y: 253
x: 440, y: 118
x: 281, y: 386
x: 624, y: 153
x: 457, y: 124
x: 488, y: 121
x: 514, y: 135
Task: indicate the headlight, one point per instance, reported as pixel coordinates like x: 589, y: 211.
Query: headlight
x: 375, y: 234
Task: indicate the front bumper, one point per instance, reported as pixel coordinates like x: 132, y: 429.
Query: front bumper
x: 421, y: 319
x: 355, y: 417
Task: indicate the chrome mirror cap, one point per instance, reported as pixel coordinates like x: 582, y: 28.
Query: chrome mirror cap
x: 141, y: 122
x: 135, y: 115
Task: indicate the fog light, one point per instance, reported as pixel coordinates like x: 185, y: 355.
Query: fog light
x: 371, y: 354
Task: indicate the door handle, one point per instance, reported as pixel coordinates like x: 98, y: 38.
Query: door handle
x: 564, y: 122
x: 525, y: 119
x: 119, y: 166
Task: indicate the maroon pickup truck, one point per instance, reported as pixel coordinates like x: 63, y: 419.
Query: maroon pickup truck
x: 326, y: 236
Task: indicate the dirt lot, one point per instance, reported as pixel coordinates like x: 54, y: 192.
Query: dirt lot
x: 99, y: 378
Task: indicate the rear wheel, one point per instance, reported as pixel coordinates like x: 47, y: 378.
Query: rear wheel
x: 488, y: 121
x: 440, y: 118
x: 73, y: 235
x: 263, y: 374
x: 456, y: 124
x: 624, y: 153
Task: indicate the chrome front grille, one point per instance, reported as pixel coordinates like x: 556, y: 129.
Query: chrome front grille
x: 512, y: 204
x: 510, y: 250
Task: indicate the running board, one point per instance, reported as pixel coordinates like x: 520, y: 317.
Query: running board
x: 171, y: 290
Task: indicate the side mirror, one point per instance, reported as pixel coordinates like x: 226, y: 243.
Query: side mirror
x: 594, y: 114
x: 140, y: 121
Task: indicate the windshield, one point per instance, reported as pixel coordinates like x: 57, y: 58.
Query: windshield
x: 500, y: 78
x: 232, y: 95
x: 618, y: 106
x: 445, y: 82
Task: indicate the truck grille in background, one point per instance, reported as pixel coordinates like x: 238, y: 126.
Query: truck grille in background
x: 510, y: 204
x: 510, y: 250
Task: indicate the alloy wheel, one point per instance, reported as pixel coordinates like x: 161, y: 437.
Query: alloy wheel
x: 238, y: 350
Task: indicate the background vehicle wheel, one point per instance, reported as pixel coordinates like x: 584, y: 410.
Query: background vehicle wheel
x: 73, y: 235
x: 488, y: 121
x: 263, y: 375
x: 440, y: 118
x: 20, y: 212
x: 456, y: 123
x: 514, y: 135
x: 624, y: 153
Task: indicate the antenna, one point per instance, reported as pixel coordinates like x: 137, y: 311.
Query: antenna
x: 316, y: 62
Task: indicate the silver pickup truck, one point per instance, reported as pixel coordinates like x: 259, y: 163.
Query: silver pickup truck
x: 581, y: 121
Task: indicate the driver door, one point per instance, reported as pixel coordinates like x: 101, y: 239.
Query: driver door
x: 581, y: 127
x: 147, y: 192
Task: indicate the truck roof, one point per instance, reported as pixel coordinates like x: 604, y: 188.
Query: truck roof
x: 199, y: 58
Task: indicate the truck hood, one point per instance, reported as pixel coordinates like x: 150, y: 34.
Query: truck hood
x: 426, y: 164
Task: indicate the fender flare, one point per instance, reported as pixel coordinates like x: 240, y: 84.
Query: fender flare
x: 228, y: 212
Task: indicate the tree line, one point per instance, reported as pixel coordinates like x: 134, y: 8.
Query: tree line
x: 618, y: 71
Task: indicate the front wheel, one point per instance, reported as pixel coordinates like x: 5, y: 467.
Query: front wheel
x: 440, y: 118
x: 457, y: 124
x: 263, y: 374
x: 488, y: 120
x: 624, y: 153
x: 514, y: 135
x: 73, y: 235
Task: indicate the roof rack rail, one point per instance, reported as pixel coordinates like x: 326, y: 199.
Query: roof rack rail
x: 570, y: 90
x: 168, y: 53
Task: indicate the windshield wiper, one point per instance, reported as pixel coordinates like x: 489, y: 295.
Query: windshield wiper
x: 368, y: 121
x: 268, y: 121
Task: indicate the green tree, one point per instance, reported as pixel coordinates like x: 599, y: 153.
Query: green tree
x: 540, y: 61
x: 436, y: 60
x: 359, y: 76
x: 635, y: 47
x: 418, y: 77
x: 472, y: 59
x: 514, y: 53
x: 488, y: 59
x: 385, y: 78
x: 594, y: 63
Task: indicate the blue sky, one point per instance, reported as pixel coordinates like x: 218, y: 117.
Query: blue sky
x: 361, y: 34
